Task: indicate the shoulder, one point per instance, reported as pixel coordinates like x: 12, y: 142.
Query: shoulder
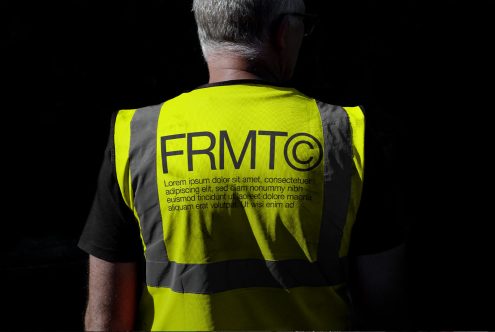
x: 353, y: 113
x: 349, y: 120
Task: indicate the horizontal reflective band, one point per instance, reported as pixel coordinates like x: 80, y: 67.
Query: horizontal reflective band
x: 228, y: 275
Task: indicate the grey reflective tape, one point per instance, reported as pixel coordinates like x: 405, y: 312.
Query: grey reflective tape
x: 142, y: 157
x: 337, y: 186
x: 228, y: 275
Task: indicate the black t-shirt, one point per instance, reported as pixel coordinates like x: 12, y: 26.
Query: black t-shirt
x: 112, y: 233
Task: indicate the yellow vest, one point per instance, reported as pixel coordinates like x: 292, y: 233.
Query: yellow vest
x: 245, y: 195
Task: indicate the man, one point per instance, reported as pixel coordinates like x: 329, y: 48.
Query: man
x: 242, y: 193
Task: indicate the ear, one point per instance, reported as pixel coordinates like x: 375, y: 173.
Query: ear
x: 281, y: 34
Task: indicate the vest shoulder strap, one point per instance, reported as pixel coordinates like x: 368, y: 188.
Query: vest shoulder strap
x: 357, y: 121
x: 122, y: 143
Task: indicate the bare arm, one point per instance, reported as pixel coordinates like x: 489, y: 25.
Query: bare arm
x: 378, y: 290
x: 112, y: 296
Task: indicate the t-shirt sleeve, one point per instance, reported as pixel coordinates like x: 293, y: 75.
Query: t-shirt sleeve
x: 380, y: 223
x: 111, y: 231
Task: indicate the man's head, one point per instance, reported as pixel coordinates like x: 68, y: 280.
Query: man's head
x: 263, y: 33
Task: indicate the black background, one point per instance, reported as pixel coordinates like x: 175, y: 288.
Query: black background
x: 69, y: 64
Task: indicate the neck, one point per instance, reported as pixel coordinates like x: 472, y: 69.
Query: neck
x: 227, y: 68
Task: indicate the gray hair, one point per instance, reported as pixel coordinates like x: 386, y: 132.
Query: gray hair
x: 240, y: 27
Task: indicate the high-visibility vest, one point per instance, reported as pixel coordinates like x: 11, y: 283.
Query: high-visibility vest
x: 245, y: 196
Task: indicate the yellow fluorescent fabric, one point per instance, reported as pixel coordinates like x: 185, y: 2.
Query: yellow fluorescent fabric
x: 356, y: 118
x: 213, y: 211
x: 320, y: 308
x: 122, y: 141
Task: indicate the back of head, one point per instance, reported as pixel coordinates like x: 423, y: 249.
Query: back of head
x: 240, y: 27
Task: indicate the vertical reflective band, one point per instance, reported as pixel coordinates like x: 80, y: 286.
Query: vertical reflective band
x: 356, y: 120
x: 336, y: 193
x: 142, y: 157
